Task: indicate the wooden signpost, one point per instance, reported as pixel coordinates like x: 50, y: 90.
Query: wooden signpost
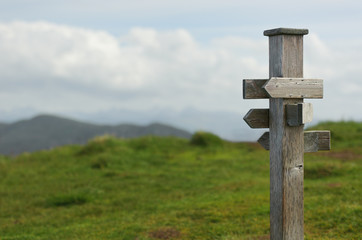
x: 286, y: 88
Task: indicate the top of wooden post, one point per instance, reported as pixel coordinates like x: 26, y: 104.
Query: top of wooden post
x: 285, y: 31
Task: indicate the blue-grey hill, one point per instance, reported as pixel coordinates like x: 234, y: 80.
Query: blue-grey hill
x: 46, y: 132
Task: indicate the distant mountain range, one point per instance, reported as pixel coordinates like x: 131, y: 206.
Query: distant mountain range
x: 46, y: 132
x: 228, y: 125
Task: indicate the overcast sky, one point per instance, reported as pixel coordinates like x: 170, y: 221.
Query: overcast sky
x: 94, y: 57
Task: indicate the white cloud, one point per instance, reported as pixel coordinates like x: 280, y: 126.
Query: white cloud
x: 146, y: 68
x: 58, y: 68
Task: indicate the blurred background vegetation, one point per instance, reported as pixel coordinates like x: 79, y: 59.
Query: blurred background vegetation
x: 174, y: 188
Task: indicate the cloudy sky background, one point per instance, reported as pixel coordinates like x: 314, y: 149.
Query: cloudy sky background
x: 177, y: 62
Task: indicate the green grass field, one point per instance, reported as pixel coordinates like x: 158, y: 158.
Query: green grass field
x: 170, y: 188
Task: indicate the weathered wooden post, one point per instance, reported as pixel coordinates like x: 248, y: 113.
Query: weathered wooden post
x: 286, y: 88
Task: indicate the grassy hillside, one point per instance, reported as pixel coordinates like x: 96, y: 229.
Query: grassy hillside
x: 171, y: 188
x: 46, y: 132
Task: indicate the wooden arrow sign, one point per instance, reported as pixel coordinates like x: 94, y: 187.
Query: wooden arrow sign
x: 264, y: 141
x: 257, y: 118
x: 298, y: 114
x: 294, y: 88
x: 253, y: 88
x: 314, y: 141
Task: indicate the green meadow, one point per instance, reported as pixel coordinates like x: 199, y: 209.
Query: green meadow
x: 172, y: 188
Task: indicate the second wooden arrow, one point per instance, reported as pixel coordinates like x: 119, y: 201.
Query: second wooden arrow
x: 313, y: 141
x: 257, y: 118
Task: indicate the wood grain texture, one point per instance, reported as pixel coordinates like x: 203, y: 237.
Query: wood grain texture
x: 257, y: 118
x: 294, y: 88
x: 317, y: 141
x: 299, y: 114
x: 252, y: 89
x: 310, y: 141
x: 286, y: 144
x: 313, y: 141
x: 307, y: 113
x: 264, y: 141
x: 285, y: 31
x: 324, y: 140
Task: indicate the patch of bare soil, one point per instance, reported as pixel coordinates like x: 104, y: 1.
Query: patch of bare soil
x: 344, y: 155
x: 265, y: 237
x: 165, y: 233
x: 334, y: 185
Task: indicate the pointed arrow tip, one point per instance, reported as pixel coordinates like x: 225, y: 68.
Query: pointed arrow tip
x: 257, y: 118
x: 264, y: 141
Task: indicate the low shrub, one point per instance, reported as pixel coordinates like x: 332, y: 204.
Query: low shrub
x: 67, y: 200
x: 205, y: 139
x: 98, y: 145
x: 99, y: 163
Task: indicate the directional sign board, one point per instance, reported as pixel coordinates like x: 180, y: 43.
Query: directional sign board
x: 276, y: 87
x: 253, y: 88
x: 294, y: 88
x: 314, y: 141
x: 257, y: 118
x: 299, y: 114
x: 285, y: 90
